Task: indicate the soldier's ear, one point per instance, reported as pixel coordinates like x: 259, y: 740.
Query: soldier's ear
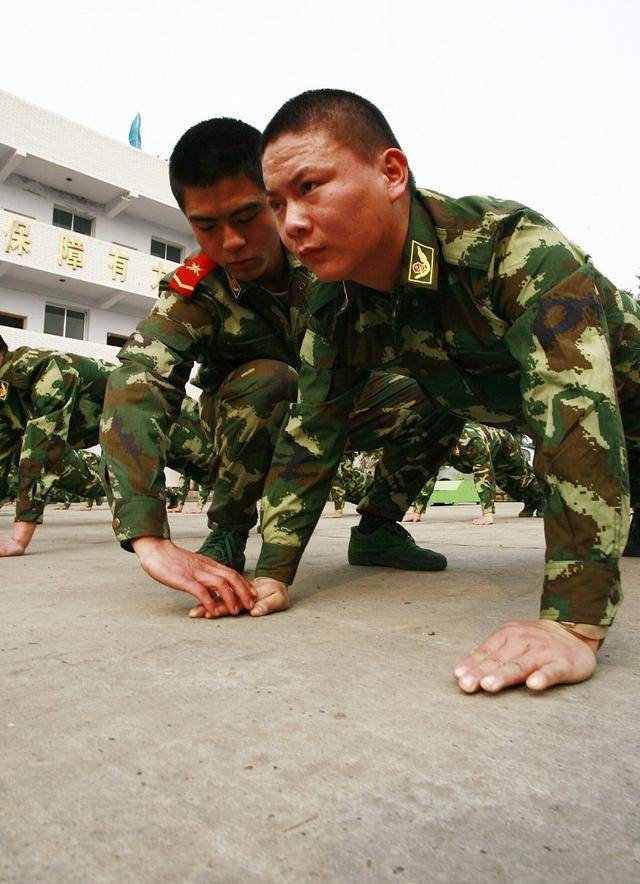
x: 395, y: 167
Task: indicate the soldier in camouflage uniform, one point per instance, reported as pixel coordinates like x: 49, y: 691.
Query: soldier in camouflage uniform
x: 177, y: 495
x: 496, y: 460
x: 350, y: 483
x: 75, y: 485
x: 50, y: 405
x: 239, y: 309
x: 500, y: 318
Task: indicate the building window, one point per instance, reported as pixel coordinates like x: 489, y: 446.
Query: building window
x: 166, y: 250
x: 114, y: 340
x: 64, y: 322
x: 72, y: 221
x: 12, y: 321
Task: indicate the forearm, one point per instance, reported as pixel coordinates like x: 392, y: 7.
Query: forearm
x: 134, y: 436
x: 581, y: 455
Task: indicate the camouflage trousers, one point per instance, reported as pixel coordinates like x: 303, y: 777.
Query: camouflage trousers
x: 77, y: 479
x: 242, y: 420
x: 350, y: 483
x: 511, y: 472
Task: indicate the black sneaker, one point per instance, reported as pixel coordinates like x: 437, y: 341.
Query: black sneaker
x: 390, y: 546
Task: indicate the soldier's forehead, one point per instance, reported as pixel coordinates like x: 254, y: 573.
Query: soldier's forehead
x: 294, y: 153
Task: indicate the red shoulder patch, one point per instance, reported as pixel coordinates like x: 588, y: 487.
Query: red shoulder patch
x: 189, y: 274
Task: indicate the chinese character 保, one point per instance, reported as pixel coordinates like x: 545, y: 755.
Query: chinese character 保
x: 118, y: 266
x: 17, y: 237
x: 71, y: 252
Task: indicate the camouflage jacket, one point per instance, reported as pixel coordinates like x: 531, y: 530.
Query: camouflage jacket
x: 51, y: 400
x: 475, y: 453
x: 501, y: 320
x: 221, y: 325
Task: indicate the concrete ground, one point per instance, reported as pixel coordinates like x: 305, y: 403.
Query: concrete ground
x: 325, y: 744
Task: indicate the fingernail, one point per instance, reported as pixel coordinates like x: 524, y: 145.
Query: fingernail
x: 209, y: 616
x: 535, y: 682
x: 459, y: 671
x: 468, y: 681
x: 489, y: 682
x: 192, y: 612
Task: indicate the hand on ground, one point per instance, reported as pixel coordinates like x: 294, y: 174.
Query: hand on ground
x: 336, y: 514
x: 540, y: 653
x: 413, y: 516
x: 272, y: 596
x: 486, y: 519
x: 219, y: 589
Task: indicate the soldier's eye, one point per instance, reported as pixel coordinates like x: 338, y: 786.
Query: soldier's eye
x: 308, y: 186
x: 244, y: 219
x: 275, y: 205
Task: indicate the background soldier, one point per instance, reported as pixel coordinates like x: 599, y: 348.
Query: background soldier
x: 50, y: 405
x: 500, y: 318
x: 496, y: 460
x: 350, y: 483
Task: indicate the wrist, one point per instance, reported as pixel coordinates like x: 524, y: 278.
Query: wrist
x: 143, y: 546
x: 589, y: 633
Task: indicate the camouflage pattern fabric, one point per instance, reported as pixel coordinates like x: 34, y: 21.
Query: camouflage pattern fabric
x: 501, y: 320
x: 496, y: 460
x: 51, y: 404
x: 246, y: 341
x: 203, y: 492
x: 239, y: 334
x: 79, y: 477
x: 350, y: 482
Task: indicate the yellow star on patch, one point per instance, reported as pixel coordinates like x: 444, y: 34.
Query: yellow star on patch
x: 196, y: 269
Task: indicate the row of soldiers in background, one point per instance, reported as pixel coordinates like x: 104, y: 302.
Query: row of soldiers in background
x: 50, y: 409
x: 78, y: 482
x: 177, y: 495
x: 493, y: 456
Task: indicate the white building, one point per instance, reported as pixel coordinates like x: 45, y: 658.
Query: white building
x: 88, y: 225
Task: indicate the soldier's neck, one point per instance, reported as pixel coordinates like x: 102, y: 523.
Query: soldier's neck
x: 382, y: 267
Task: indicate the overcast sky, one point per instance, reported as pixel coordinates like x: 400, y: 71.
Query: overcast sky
x: 533, y: 101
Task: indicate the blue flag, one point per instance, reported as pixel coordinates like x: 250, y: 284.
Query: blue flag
x: 135, y: 138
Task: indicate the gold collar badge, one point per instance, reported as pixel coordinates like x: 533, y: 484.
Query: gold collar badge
x: 421, y: 263
x: 4, y: 391
x: 235, y: 286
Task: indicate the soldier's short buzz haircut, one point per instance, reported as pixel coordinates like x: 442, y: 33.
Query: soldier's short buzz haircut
x: 351, y: 119
x: 215, y: 149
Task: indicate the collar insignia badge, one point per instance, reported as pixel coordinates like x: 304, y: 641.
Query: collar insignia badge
x: 421, y: 263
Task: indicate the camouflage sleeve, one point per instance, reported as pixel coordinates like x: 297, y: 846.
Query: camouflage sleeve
x: 306, y: 457
x: 477, y: 455
x: 142, y: 402
x: 55, y: 388
x: 559, y: 336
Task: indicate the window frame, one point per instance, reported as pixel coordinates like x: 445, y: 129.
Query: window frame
x: 74, y: 215
x: 84, y: 313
